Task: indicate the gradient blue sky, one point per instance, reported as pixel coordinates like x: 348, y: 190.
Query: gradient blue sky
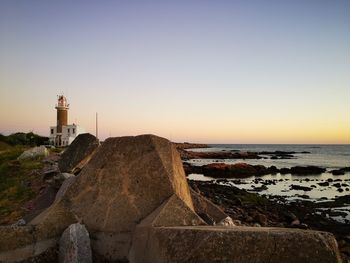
x: 204, y: 71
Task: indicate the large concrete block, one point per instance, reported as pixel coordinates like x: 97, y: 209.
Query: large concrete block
x: 126, y: 179
x: 78, y: 153
x: 173, y: 212
x: 208, y: 244
x: 205, y: 208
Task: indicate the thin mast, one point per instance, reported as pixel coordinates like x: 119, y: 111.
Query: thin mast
x: 96, y: 126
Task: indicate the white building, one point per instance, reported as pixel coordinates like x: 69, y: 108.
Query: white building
x: 63, y: 134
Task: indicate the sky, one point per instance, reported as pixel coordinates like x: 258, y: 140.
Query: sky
x: 273, y: 71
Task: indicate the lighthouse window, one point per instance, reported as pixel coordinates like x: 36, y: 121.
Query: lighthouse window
x: 68, y: 130
x: 51, y: 131
x: 73, y: 130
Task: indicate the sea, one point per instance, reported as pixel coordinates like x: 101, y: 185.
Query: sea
x: 326, y: 156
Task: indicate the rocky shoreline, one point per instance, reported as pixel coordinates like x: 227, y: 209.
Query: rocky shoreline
x: 250, y: 209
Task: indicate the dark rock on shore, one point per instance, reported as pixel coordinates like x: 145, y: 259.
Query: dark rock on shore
x: 238, y: 170
x: 299, y: 187
x: 303, y: 170
x: 323, y: 184
x: 187, y: 145
x: 186, y: 155
x: 78, y: 153
x: 341, y: 171
x: 244, y: 170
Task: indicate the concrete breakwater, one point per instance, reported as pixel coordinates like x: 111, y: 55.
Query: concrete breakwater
x: 133, y: 198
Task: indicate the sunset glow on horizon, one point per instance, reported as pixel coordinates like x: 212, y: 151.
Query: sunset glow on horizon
x: 199, y: 71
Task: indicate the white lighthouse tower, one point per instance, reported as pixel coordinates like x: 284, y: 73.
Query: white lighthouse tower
x: 63, y: 134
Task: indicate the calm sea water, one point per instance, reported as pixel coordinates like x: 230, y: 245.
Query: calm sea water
x: 327, y: 156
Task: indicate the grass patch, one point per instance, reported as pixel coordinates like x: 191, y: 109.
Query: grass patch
x: 16, y: 179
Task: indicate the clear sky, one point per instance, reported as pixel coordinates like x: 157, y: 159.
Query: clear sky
x: 203, y: 71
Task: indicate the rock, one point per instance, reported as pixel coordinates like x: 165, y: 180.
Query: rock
x: 284, y: 170
x: 296, y: 222
x: 338, y: 172
x: 226, y: 222
x: 305, y: 170
x: 261, y: 219
x: 299, y: 187
x: 74, y: 246
x: 20, y: 222
x: 78, y: 153
x: 185, y: 155
x: 237, y: 170
x: 323, y: 184
x: 341, y: 171
x: 35, y: 152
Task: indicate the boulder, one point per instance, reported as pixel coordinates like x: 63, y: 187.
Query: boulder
x: 78, y: 153
x: 227, y: 221
x: 74, y: 245
x: 35, y: 152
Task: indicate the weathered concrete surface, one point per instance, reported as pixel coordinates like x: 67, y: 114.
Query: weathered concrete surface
x: 205, y: 208
x: 173, y: 212
x: 21, y: 243
x: 74, y: 245
x: 208, y: 244
x: 78, y: 153
x: 126, y: 179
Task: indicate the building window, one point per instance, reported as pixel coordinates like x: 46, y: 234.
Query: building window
x: 51, y: 131
x: 68, y: 130
x: 73, y: 130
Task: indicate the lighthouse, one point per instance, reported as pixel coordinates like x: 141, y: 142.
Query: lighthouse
x: 63, y: 134
x: 62, y: 108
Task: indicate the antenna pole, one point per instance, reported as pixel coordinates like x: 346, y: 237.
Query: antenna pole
x: 96, y: 126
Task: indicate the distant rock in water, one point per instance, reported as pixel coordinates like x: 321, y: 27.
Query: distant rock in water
x: 301, y: 170
x: 78, y: 153
x: 222, y: 170
x: 341, y: 171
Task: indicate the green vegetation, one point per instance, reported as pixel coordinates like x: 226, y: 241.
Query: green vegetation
x: 16, y: 182
x: 252, y: 199
x: 21, y: 138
